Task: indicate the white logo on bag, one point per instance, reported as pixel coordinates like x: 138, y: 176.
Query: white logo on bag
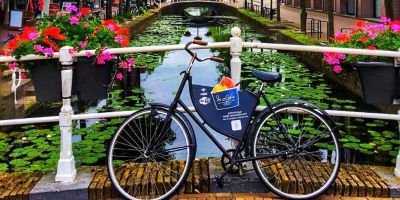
x: 236, y: 125
x: 225, y: 100
x: 203, y: 92
x: 204, y: 100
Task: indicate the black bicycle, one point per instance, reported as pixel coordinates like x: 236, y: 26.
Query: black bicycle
x: 152, y: 152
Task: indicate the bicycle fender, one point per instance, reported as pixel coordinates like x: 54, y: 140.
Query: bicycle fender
x: 182, y: 117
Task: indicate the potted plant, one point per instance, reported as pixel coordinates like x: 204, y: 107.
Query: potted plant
x: 379, y: 76
x: 80, y: 30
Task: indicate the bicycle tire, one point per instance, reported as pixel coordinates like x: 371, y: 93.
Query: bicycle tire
x: 276, y: 172
x: 165, y: 174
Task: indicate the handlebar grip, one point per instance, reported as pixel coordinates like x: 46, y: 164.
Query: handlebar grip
x: 200, y: 42
x: 217, y: 59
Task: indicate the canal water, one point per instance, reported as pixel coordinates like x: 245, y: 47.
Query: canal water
x: 362, y: 138
x: 36, y: 148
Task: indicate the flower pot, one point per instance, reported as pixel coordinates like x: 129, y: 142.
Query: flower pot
x: 380, y: 81
x: 92, y: 80
x: 46, y: 77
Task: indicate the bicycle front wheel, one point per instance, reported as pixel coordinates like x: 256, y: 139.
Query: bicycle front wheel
x: 145, y: 162
x: 309, y: 152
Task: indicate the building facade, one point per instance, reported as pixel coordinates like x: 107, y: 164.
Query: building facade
x: 357, y: 8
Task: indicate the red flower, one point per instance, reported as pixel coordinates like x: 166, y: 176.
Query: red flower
x: 12, y: 44
x: 360, y: 23
x: 363, y: 39
x: 84, y: 11
x: 342, y: 37
x: 54, y: 32
x: 51, y: 44
x: 125, y: 41
x: 371, y: 48
x: 123, y: 31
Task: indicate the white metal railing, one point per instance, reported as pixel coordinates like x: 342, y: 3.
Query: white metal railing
x: 66, y: 166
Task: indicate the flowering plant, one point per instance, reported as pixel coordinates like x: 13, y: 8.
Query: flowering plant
x: 382, y: 36
x: 79, y: 29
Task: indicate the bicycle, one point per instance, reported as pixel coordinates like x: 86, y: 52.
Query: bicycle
x: 152, y: 152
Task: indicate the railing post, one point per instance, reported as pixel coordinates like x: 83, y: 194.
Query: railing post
x: 236, y: 64
x: 236, y: 50
x: 66, y: 171
x: 397, y: 169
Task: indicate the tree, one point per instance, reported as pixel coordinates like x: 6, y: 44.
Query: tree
x: 127, y: 6
x: 109, y: 9
x: 331, y: 25
x: 121, y: 7
x: 389, y: 9
x: 303, y: 16
x: 278, y: 10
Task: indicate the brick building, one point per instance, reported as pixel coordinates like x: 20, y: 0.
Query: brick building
x: 357, y: 8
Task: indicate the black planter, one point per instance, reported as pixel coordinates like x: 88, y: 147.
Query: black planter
x: 380, y: 82
x: 92, y: 80
x: 46, y: 77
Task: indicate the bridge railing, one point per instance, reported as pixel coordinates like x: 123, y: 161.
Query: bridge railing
x: 66, y: 171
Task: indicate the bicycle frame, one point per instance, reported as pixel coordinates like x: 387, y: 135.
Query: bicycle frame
x: 234, y: 159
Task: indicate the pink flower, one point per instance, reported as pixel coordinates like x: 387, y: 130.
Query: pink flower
x: 337, y: 68
x: 123, y: 64
x: 341, y: 56
x: 71, y: 51
x: 384, y: 20
x: 118, y: 39
x: 111, y: 27
x: 129, y: 69
x: 380, y: 27
x: 395, y: 28
x: 79, y: 14
x: 23, y: 75
x: 34, y: 35
x: 106, y: 55
x: 119, y: 76
x: 100, y: 60
x: 12, y: 66
x: 48, y: 51
x: 131, y: 61
x: 88, y: 54
x: 82, y: 44
x: 331, y: 58
x: 86, y: 25
x: 70, y: 8
x: 38, y: 48
x: 73, y: 20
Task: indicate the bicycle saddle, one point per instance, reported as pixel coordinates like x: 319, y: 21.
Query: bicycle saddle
x: 269, y: 77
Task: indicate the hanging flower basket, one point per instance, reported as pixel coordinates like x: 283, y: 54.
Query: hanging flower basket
x: 380, y: 82
x: 46, y: 77
x: 92, y: 80
x: 82, y: 30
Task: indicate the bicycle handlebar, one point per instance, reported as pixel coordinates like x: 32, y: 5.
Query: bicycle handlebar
x: 203, y: 43
x: 200, y: 42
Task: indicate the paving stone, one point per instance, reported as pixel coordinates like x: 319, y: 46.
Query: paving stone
x: 48, y: 189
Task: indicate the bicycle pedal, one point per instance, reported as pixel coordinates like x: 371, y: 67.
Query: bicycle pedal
x: 219, y: 182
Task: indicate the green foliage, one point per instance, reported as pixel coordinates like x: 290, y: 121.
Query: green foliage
x: 369, y: 137
x: 304, y: 39
x: 256, y: 17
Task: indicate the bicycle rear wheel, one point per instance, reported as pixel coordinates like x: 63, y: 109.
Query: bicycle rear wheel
x: 313, y: 158
x: 145, y: 162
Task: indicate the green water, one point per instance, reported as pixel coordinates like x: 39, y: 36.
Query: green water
x: 36, y: 148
